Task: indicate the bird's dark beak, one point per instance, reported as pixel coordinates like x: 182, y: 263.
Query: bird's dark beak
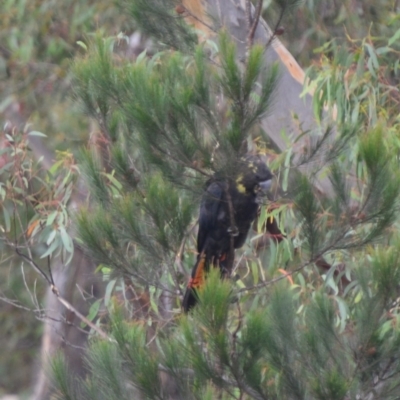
x: 265, y: 185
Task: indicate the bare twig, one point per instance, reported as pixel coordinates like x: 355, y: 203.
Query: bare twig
x: 63, y: 320
x: 228, y: 382
x: 235, y: 332
x: 49, y: 269
x: 315, y: 259
x: 40, y: 313
x: 191, y: 15
x: 64, y: 302
x: 254, y: 24
x: 33, y: 297
x: 15, y: 303
x: 274, y: 280
x: 233, y: 230
x: 178, y: 256
x: 34, y: 265
x: 248, y: 14
x: 72, y: 309
x: 278, y: 22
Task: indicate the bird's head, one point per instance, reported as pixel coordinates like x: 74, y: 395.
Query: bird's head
x: 254, y: 175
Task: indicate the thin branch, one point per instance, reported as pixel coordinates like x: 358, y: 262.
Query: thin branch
x: 256, y: 19
x: 40, y: 313
x: 248, y: 14
x: 228, y: 382
x: 233, y: 230
x: 316, y: 259
x: 178, y: 256
x: 273, y: 32
x: 33, y: 298
x: 68, y: 343
x: 236, y: 331
x: 16, y: 303
x: 61, y: 299
x: 212, y: 29
x: 34, y: 265
x: 71, y: 308
x: 274, y: 280
x: 50, y: 273
x: 63, y: 320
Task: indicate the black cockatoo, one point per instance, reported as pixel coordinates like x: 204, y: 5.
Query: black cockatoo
x: 227, y: 210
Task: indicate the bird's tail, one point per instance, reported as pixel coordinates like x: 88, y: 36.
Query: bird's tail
x: 196, y: 282
x: 198, y: 278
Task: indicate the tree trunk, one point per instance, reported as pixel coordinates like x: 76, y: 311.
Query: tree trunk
x: 62, y: 330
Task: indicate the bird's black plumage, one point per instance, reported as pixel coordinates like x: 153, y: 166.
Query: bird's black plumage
x: 228, y: 208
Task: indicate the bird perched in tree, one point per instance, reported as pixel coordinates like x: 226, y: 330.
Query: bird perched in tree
x: 228, y: 208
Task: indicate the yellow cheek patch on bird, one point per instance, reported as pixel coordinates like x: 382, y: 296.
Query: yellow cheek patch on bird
x: 239, y: 185
x: 241, y: 188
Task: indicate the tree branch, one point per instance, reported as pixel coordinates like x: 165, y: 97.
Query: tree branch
x: 254, y: 24
x: 64, y: 302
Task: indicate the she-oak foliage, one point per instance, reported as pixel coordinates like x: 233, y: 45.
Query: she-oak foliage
x: 172, y: 120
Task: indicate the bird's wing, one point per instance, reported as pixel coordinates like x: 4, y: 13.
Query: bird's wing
x: 210, y: 210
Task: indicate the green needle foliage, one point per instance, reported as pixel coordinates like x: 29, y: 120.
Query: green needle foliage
x: 278, y: 352
x: 170, y: 136
x: 313, y: 317
x: 157, y: 18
